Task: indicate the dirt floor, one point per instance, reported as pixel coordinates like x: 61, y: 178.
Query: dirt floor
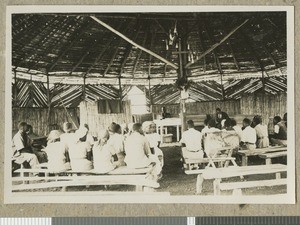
x: 176, y: 182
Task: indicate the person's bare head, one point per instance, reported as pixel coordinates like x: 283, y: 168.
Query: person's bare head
x: 137, y: 127
x: 190, y: 124
x: 22, y: 126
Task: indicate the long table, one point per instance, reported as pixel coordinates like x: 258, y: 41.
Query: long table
x: 246, y: 153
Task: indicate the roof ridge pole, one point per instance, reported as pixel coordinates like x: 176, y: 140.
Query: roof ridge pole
x: 133, y: 43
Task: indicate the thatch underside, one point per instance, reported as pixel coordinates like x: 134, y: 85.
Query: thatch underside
x: 72, y: 51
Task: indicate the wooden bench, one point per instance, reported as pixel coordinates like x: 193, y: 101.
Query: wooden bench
x: 217, y: 174
x: 247, y: 153
x: 141, y: 178
x: 222, y: 157
x: 269, y: 156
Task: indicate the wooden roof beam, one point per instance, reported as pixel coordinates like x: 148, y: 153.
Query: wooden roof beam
x: 112, y: 58
x: 139, y: 54
x: 272, y: 59
x: 129, y: 47
x: 217, y: 44
x: 201, y: 45
x: 150, y: 56
x: 217, y: 61
x: 133, y: 43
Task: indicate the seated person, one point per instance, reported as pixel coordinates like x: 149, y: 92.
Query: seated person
x: 138, y: 153
x: 164, y: 113
x: 89, y: 137
x: 57, y: 153
x: 103, y: 160
x: 212, y: 126
x: 149, y: 128
x: 191, y: 142
x: 230, y: 136
x: 35, y: 146
x: 285, y: 119
x: 236, y: 128
x: 248, y: 140
x: 67, y: 137
x: 80, y: 151
x: 22, y: 151
x: 261, y: 132
x: 205, y: 128
x: 280, y: 132
x: 116, y: 143
x: 220, y: 116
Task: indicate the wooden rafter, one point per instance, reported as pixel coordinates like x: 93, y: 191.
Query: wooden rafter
x: 150, y: 56
x: 133, y: 43
x: 68, y: 46
x: 129, y: 46
x: 201, y: 45
x: 139, y: 54
x: 44, y: 34
x: 217, y: 61
x: 112, y: 58
x: 217, y: 44
x: 65, y: 27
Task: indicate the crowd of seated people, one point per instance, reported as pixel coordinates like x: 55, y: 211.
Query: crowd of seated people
x: 222, y: 131
x: 137, y: 146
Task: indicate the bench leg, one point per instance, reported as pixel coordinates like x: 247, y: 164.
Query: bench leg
x: 199, y: 183
x: 237, y: 192
x: 139, y: 188
x: 217, y: 190
x: 278, y: 176
x: 268, y: 161
x: 244, y: 160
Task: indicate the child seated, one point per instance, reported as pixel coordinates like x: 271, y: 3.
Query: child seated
x: 103, y: 162
x: 57, y: 153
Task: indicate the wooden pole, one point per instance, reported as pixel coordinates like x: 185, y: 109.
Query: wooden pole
x: 120, y: 94
x: 181, y: 74
x: 48, y: 102
x: 83, y: 89
x: 133, y: 43
x: 15, y: 89
x: 150, y: 97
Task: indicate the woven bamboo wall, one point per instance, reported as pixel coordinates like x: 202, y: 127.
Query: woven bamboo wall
x: 265, y: 105
x: 201, y: 108
x: 89, y: 115
x: 38, y: 118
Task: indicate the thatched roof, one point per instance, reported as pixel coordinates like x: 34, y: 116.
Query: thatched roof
x: 74, y: 49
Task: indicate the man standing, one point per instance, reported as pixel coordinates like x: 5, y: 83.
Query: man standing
x: 22, y: 147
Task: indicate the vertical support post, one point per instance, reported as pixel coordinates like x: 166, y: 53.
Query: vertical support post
x: 150, y: 97
x: 181, y: 74
x: 120, y: 94
x: 15, y: 89
x: 48, y: 102
x: 83, y: 89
